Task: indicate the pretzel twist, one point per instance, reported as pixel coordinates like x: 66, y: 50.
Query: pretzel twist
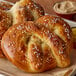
x: 34, y: 48
x: 63, y: 31
x: 26, y: 10
x: 20, y: 12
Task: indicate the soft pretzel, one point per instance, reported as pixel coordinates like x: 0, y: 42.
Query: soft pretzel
x: 5, y: 22
x: 4, y: 5
x: 34, y: 48
x: 26, y: 10
x: 20, y: 13
x: 60, y: 28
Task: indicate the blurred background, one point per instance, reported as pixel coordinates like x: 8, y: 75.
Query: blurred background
x: 46, y: 4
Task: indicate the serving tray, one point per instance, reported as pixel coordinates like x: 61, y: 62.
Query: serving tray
x: 8, y: 69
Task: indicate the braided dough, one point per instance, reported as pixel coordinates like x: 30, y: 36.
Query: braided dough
x: 38, y: 46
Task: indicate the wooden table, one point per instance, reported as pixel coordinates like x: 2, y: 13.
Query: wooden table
x: 46, y: 4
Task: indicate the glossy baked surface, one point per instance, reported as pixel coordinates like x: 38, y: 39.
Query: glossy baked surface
x: 40, y: 45
x: 14, y: 71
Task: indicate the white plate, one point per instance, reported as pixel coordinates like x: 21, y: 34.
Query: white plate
x: 7, y: 2
x: 71, y: 23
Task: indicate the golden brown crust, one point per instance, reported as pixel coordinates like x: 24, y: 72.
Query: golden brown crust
x: 61, y: 29
x: 34, y: 48
x: 26, y: 10
x: 4, y: 5
x: 5, y: 22
x: 25, y: 53
x: 21, y: 12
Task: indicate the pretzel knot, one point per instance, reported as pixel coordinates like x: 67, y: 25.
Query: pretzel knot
x: 33, y: 47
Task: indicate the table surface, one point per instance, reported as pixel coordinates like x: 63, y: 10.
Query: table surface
x: 46, y: 4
